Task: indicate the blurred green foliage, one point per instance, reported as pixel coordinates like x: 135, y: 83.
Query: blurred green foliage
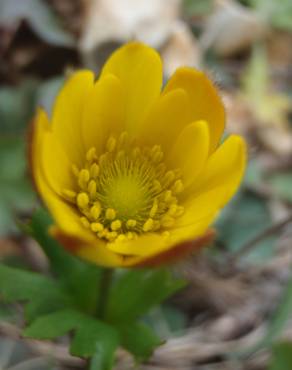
x: 281, y: 357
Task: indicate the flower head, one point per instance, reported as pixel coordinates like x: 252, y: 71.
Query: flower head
x: 132, y: 174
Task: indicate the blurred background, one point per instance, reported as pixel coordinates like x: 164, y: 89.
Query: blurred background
x: 235, y: 313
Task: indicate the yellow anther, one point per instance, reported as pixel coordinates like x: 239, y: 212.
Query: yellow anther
x: 130, y: 235
x: 116, y: 225
x: 157, y: 157
x: 131, y: 223
x: 148, y: 225
x: 83, y: 178
x: 172, y: 210
x: 75, y: 170
x: 103, y: 233
x: 167, y: 221
x: 111, y: 144
x: 92, y: 188
x: 180, y: 211
x: 97, y: 227
x: 156, y: 153
x: 82, y: 200
x: 110, y: 214
x: 95, y: 210
x: 156, y: 186
x: 136, y: 152
x: 111, y: 235
x: 102, y: 159
x: 94, y: 170
x: 91, y: 154
x: 121, y: 238
x: 85, y: 222
x: 177, y: 187
x: 169, y: 177
x: 165, y: 234
x: 135, y: 235
x: 123, y: 139
x: 155, y: 148
x: 69, y: 194
x: 154, y: 209
x: 167, y: 196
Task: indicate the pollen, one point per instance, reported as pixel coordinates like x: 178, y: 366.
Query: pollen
x: 126, y: 191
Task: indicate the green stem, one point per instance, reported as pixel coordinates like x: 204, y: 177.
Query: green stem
x: 105, y: 284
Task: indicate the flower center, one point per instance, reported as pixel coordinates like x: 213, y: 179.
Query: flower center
x: 126, y: 191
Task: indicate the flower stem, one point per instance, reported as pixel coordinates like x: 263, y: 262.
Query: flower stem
x: 105, y: 284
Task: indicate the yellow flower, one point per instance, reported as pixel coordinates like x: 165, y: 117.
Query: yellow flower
x: 133, y: 175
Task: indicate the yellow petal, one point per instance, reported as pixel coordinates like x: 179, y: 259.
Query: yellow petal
x: 105, y: 112
x: 98, y: 253
x: 190, y: 151
x: 67, y: 114
x: 140, y: 70
x: 205, y: 102
x: 94, y: 251
x: 65, y: 216
x: 151, y: 244
x: 40, y: 126
x: 55, y: 164
x: 166, y: 120
x: 217, y: 183
x: 225, y: 168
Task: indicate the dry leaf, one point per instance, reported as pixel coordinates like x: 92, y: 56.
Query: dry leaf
x: 231, y: 28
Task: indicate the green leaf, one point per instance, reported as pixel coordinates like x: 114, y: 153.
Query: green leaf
x: 138, y: 291
x: 244, y: 218
x: 281, y: 357
x: 80, y: 278
x: 39, y: 16
x: 139, y: 339
x: 19, y: 285
x: 15, y: 191
x: 91, y: 333
x: 281, y: 183
x: 281, y: 316
x: 43, y: 304
x: 276, y: 13
x: 41, y: 294
x: 197, y: 7
x: 53, y: 325
x: 17, y: 106
x: 276, y: 324
x: 92, y: 337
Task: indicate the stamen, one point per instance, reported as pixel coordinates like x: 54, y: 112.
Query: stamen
x: 110, y: 214
x: 85, y: 222
x: 97, y: 227
x: 82, y: 200
x: 91, y: 154
x: 148, y: 225
x: 111, y: 144
x: 116, y: 225
x: 154, y: 209
x: 94, y: 170
x: 69, y: 194
x: 131, y: 223
x: 83, y: 178
x: 126, y: 191
x: 92, y: 188
x: 95, y: 210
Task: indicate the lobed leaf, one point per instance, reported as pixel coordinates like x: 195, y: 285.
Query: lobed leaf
x: 136, y: 291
